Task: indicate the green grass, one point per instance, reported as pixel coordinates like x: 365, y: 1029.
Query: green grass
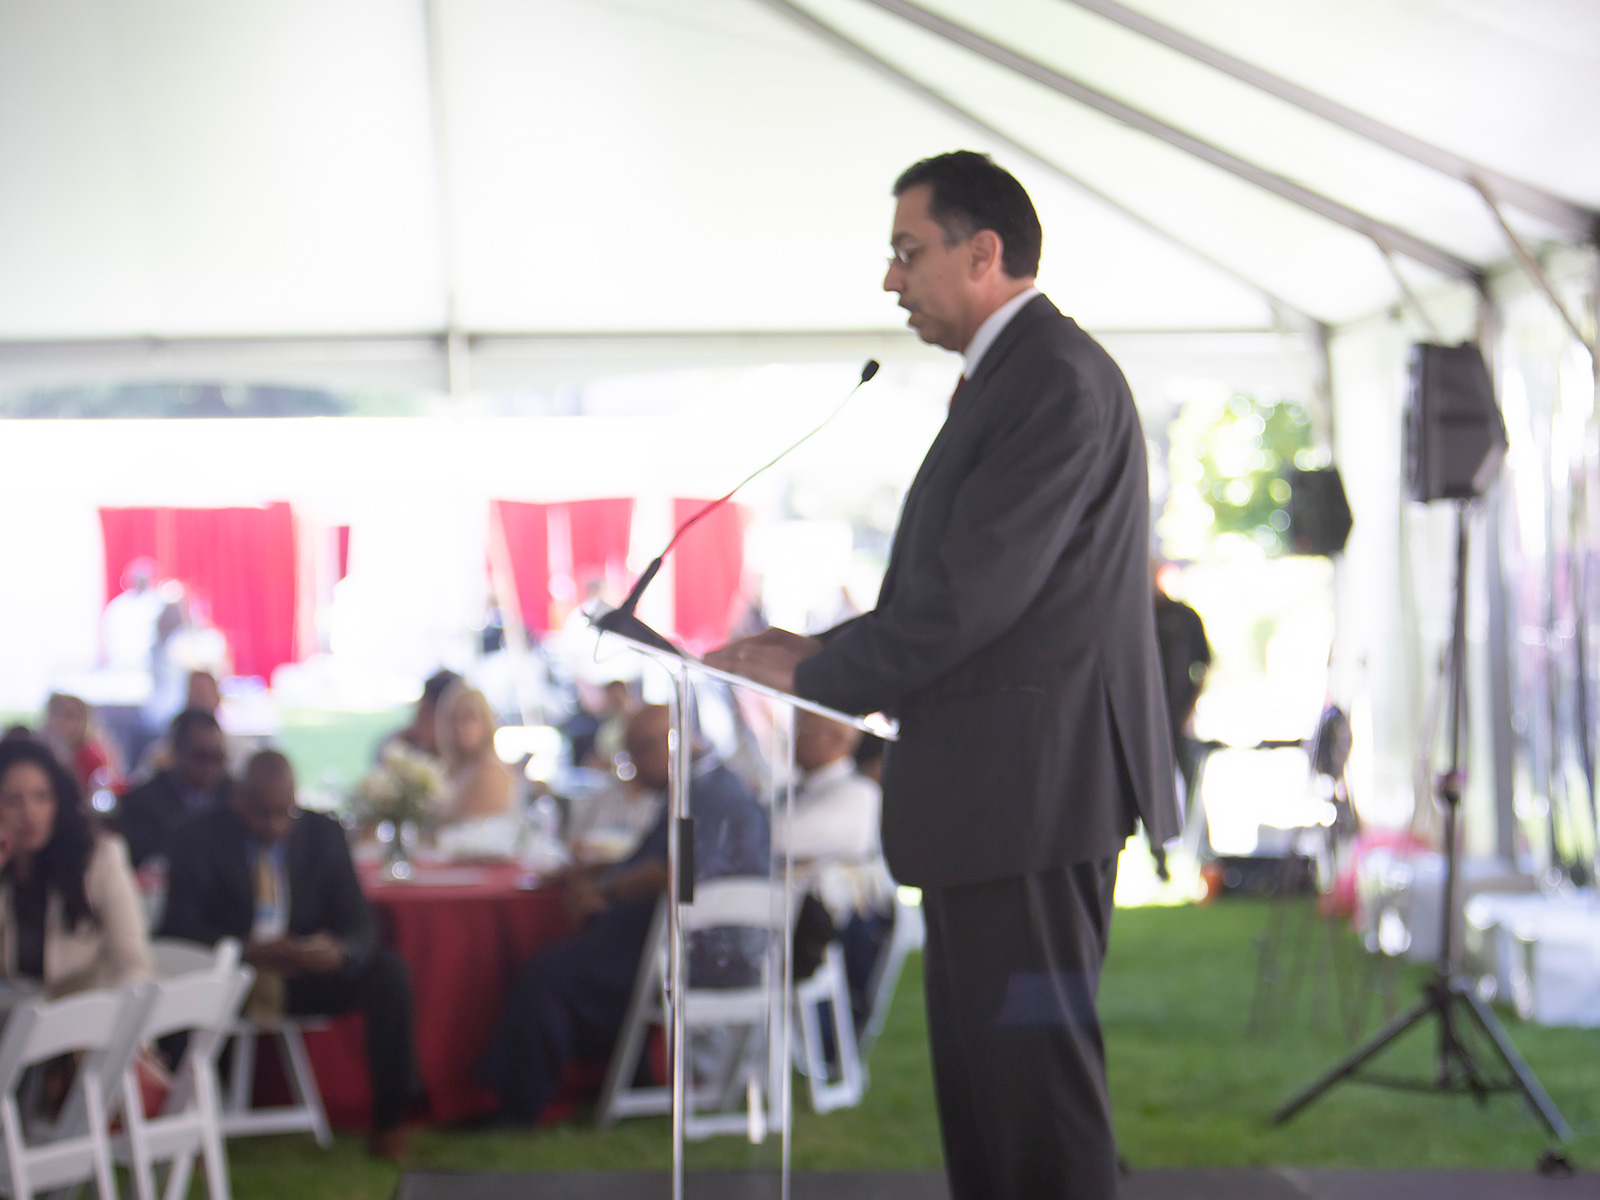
x: 335, y: 748
x: 1191, y: 1083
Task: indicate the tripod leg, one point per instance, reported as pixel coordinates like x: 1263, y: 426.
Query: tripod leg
x: 1527, y: 1082
x: 1351, y: 1064
x: 1456, y: 1065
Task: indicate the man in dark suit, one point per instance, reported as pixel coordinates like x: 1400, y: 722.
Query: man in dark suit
x: 1014, y: 640
x: 196, y: 780
x: 281, y: 881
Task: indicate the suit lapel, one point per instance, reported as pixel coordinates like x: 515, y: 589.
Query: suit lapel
x: 233, y: 861
x: 296, y: 875
x: 965, y: 414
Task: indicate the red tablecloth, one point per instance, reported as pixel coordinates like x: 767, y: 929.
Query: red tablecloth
x: 464, y: 932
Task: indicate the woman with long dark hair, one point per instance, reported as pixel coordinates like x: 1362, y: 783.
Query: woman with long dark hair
x: 70, y: 914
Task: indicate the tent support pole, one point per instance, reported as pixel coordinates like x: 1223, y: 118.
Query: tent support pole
x: 1573, y: 219
x: 894, y: 74
x: 1534, y: 268
x: 1385, y: 234
x: 457, y: 348
x: 1502, y: 735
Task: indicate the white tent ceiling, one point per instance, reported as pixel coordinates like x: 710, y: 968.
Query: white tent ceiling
x: 345, y: 188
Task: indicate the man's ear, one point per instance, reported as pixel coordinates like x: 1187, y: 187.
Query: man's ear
x: 987, y: 250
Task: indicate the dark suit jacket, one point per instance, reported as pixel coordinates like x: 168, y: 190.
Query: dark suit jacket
x: 732, y: 835
x: 1014, y: 636
x: 150, y: 812
x: 210, y: 893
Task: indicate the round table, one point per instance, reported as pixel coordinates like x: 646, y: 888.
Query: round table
x: 464, y: 932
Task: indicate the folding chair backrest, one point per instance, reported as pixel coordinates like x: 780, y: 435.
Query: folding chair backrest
x: 176, y: 957
x: 195, y: 1001
x: 732, y: 901
x: 39, y: 1030
x: 104, y: 1023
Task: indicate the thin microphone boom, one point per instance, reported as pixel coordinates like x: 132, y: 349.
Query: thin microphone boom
x: 621, y: 619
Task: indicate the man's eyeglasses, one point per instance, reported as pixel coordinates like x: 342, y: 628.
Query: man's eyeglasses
x: 901, y: 255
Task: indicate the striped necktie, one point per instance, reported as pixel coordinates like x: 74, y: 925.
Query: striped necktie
x: 265, y: 1003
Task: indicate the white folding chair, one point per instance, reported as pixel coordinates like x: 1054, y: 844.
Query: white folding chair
x: 910, y: 932
x: 618, y: 1096
x: 827, y: 986
x: 204, y: 1005
x: 173, y: 956
x: 744, y: 1015
x: 304, y: 1113
x: 75, y: 1148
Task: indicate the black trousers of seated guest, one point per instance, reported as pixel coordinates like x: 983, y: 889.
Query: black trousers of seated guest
x: 382, y: 991
x: 568, y: 1005
x: 1011, y: 971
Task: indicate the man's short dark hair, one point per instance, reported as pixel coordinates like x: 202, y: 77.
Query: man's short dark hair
x: 437, y: 685
x: 266, y: 764
x: 186, y: 722
x: 968, y: 193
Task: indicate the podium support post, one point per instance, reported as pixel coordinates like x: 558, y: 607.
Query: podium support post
x: 684, y: 672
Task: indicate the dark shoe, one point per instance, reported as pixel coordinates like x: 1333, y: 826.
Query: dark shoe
x: 391, y: 1145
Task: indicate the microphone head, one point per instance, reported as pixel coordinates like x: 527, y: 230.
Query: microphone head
x: 869, y: 369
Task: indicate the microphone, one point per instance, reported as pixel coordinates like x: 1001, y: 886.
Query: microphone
x: 621, y: 619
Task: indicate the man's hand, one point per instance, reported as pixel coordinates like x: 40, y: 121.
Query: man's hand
x: 319, y: 954
x: 276, y: 955
x: 584, y: 898
x: 768, y: 658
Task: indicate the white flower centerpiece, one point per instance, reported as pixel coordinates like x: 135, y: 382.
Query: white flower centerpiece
x: 398, y: 799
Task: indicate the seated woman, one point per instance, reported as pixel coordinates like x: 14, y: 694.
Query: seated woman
x: 70, y: 915
x: 479, y: 784
x: 69, y: 730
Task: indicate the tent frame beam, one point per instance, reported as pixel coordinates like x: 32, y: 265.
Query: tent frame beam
x: 1572, y: 219
x: 1535, y: 270
x: 1387, y: 236
x: 842, y: 41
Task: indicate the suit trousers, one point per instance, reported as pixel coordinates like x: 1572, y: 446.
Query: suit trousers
x: 1011, y: 971
x: 568, y: 1005
x: 381, y: 989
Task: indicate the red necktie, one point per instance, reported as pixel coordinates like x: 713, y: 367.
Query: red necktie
x: 960, y: 383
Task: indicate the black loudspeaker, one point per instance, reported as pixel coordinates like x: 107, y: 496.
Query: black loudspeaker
x: 1319, y: 513
x: 1455, y: 437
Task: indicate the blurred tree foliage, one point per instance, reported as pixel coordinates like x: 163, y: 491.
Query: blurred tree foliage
x: 1229, y: 463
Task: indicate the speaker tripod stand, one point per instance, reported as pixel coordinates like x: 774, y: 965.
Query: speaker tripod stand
x: 1449, y: 1000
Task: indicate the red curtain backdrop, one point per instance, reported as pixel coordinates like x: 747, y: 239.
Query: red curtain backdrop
x: 239, y: 561
x: 600, y: 530
x: 594, y: 546
x: 526, y: 528
x: 709, y: 566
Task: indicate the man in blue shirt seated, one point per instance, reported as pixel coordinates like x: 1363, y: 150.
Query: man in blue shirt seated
x: 572, y: 997
x: 281, y: 882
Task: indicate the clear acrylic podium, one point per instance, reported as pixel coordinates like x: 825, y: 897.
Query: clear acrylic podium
x: 685, y: 673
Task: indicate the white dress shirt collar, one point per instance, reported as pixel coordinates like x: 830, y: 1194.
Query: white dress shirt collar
x: 990, y: 329
x: 827, y: 775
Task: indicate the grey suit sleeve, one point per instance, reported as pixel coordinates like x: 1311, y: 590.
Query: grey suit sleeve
x: 1012, y: 518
